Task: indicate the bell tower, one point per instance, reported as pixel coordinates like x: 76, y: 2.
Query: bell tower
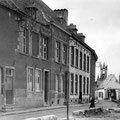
x: 103, y: 71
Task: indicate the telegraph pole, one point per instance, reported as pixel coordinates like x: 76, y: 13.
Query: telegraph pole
x: 67, y: 93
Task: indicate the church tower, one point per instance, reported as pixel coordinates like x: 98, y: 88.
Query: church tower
x: 103, y: 71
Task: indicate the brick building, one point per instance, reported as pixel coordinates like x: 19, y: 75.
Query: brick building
x: 82, y: 59
x: 34, y: 54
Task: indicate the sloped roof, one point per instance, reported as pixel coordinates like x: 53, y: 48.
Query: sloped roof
x: 110, y: 82
x: 45, y: 14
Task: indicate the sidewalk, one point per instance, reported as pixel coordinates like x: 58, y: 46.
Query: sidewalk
x: 39, y: 109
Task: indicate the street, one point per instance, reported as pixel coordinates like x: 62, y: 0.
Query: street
x: 60, y: 112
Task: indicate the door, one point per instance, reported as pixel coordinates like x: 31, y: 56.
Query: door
x: 9, y: 80
x: 80, y: 83
x: 46, y: 86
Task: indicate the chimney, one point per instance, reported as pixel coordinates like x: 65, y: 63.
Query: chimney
x: 72, y: 29
x: 62, y: 16
x: 81, y: 36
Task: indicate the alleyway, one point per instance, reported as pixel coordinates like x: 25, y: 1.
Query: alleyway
x: 61, y: 112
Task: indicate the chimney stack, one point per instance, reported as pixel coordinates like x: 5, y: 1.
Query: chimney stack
x: 81, y: 36
x: 72, y: 29
x: 62, y: 15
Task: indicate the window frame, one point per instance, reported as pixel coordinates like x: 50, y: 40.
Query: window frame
x: 88, y: 64
x: 72, y: 83
x: 57, y: 51
x: 64, y: 59
x: 76, y: 84
x: 76, y: 58
x: 11, y: 68
x: 41, y: 82
x: 81, y: 60
x: 84, y: 62
x: 72, y: 55
x: 33, y: 84
x: 45, y: 45
x: 38, y: 40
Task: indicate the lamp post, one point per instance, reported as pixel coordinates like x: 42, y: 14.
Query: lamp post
x: 67, y: 93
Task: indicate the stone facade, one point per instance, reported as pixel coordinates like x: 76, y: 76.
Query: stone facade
x: 34, y: 54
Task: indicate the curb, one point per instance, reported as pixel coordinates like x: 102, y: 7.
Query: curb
x: 40, y: 109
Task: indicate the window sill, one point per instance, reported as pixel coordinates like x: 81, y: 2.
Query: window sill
x: 22, y: 53
x: 44, y: 59
x: 36, y: 57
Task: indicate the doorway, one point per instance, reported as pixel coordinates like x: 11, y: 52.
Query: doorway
x: 46, y: 73
x: 9, y: 85
x: 80, y: 83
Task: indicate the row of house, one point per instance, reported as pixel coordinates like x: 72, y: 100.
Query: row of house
x: 37, y: 48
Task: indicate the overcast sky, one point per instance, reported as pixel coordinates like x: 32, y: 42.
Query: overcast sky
x: 99, y: 21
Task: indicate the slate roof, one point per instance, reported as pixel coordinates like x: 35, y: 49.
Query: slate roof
x: 110, y: 82
x: 45, y: 14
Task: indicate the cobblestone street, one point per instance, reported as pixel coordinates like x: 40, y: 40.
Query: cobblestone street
x: 111, y: 115
x: 61, y: 112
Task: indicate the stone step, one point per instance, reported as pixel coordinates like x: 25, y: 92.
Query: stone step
x: 8, y: 108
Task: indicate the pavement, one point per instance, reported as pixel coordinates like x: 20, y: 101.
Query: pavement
x: 39, y: 109
x: 106, y: 104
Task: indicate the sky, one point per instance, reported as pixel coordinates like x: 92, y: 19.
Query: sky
x: 99, y: 21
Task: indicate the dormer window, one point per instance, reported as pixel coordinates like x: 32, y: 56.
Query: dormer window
x: 31, y: 10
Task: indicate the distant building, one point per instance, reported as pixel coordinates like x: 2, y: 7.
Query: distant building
x: 109, y: 88
x: 103, y: 73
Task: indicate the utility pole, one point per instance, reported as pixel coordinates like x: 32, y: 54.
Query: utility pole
x: 67, y: 93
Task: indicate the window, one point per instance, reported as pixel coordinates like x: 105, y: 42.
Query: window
x: 57, y: 52
x: 62, y: 83
x: 57, y: 84
x: 64, y: 54
x: 35, y: 44
x: 101, y: 94
x: 38, y: 80
x: 88, y: 63
x: 45, y: 48
x: 24, y: 40
x: 9, y: 78
x: 30, y: 81
x: 80, y: 60
x: 76, y: 57
x: 72, y: 56
x: 72, y: 83
x: 84, y: 62
x: 76, y: 84
x: 1, y: 81
x: 84, y: 83
x: 87, y: 86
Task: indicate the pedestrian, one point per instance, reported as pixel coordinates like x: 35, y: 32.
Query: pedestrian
x: 80, y: 96
x: 92, y: 102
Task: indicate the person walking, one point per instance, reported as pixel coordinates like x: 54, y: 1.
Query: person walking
x: 92, y: 102
x: 80, y: 97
